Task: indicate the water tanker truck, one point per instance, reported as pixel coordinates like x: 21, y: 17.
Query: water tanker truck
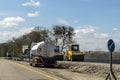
x: 43, y: 53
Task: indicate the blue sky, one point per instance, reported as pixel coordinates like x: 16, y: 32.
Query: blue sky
x: 95, y: 21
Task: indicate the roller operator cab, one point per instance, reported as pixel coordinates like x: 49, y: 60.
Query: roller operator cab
x: 74, y: 53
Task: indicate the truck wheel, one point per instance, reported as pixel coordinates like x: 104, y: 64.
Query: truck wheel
x: 30, y: 64
x: 34, y: 65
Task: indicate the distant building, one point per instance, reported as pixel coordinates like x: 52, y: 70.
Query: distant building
x: 24, y: 47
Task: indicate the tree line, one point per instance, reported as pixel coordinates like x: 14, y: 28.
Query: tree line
x: 58, y: 33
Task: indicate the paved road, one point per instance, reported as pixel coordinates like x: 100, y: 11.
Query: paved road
x: 12, y: 70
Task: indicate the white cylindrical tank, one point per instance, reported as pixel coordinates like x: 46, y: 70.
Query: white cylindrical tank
x: 44, y: 49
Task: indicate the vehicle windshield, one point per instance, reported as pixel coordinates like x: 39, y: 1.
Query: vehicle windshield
x: 75, y: 47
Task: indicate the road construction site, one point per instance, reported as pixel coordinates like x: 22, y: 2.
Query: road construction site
x: 46, y: 60
x: 65, y: 70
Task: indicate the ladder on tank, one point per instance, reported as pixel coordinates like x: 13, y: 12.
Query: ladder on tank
x: 45, y: 49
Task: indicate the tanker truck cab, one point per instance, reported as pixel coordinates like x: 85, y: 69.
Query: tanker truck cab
x: 43, y: 53
x: 74, y: 53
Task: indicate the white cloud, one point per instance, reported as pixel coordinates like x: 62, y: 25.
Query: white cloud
x: 101, y: 35
x: 32, y: 3
x: 22, y: 31
x: 34, y: 14
x: 91, y: 32
x: 86, y: 30
x: 8, y: 35
x: 62, y: 21
x: 115, y: 29
x: 11, y: 21
x: 89, y: 38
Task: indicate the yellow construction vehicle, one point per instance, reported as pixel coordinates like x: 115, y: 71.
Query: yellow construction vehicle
x: 73, y: 53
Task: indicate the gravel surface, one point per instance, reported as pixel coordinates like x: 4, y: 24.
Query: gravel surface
x: 65, y: 74
x: 87, y: 70
x: 98, y: 69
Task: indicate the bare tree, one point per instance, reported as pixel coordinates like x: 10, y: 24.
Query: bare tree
x: 64, y: 33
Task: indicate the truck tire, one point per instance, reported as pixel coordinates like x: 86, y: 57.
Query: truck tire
x: 30, y: 64
x: 34, y: 65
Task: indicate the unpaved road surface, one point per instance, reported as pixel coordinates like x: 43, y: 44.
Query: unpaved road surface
x: 18, y: 70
